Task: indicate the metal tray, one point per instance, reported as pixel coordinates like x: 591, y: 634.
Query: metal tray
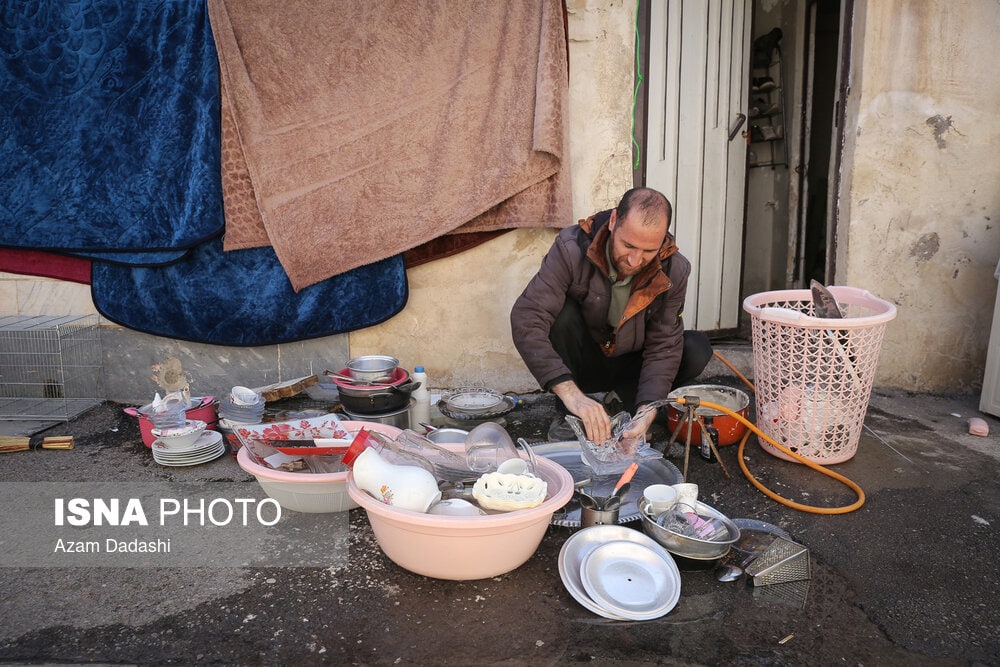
x: 568, y: 455
x: 506, y: 405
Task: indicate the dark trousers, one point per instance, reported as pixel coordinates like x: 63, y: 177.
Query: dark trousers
x: 593, y: 372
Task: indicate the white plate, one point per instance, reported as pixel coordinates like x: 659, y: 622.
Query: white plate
x: 581, y: 543
x: 210, y: 455
x: 206, y: 440
x: 631, y: 580
x: 570, y: 561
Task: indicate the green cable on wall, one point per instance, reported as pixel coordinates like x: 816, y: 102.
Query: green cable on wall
x: 638, y: 82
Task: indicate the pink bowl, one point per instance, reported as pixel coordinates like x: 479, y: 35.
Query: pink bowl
x: 463, y: 548
x: 304, y: 492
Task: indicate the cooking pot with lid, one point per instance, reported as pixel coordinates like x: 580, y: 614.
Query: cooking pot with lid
x: 728, y: 429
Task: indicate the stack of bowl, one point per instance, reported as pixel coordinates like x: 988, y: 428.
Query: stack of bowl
x: 242, y: 406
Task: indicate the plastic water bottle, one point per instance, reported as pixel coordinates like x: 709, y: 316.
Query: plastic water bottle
x: 410, y: 487
x: 420, y: 411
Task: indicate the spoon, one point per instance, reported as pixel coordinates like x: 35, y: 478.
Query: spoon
x: 621, y: 491
x: 728, y: 572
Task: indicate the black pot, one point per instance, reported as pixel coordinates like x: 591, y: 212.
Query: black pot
x: 376, y: 400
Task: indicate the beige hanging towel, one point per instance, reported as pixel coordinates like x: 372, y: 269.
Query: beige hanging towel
x: 358, y: 129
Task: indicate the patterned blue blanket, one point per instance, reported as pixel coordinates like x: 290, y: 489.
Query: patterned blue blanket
x: 110, y: 149
x: 109, y: 128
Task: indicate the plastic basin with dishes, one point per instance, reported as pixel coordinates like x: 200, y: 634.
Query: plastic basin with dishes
x: 464, y: 548
x: 309, y: 492
x: 204, y: 408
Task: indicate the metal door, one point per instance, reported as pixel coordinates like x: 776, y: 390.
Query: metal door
x: 696, y: 144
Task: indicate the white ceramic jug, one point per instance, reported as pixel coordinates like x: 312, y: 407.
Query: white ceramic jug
x: 408, y: 487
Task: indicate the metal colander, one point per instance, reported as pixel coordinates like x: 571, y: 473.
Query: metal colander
x: 783, y: 561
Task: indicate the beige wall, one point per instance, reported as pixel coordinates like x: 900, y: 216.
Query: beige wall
x: 919, y: 209
x: 457, y: 320
x: 921, y: 205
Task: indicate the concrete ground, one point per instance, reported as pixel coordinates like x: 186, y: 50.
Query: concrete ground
x: 910, y: 578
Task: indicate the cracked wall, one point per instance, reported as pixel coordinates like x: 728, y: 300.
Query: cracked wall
x: 920, y: 210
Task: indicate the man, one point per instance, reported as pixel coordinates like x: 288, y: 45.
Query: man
x: 603, y: 313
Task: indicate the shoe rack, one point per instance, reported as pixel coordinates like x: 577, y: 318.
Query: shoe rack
x: 767, y: 115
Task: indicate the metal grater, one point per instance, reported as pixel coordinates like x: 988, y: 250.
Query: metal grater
x: 780, y: 562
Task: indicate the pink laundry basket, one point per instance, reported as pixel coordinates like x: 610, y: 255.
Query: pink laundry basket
x: 813, y: 376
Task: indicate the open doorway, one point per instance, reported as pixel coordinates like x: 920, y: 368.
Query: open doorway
x: 792, y: 180
x: 792, y: 134
x: 816, y: 258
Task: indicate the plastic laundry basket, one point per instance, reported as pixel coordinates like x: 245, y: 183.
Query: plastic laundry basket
x: 813, y: 376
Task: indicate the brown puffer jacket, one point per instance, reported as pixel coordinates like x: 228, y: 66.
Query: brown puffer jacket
x: 576, y: 267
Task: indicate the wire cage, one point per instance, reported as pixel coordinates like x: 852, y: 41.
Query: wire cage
x: 813, y: 376
x: 50, y: 367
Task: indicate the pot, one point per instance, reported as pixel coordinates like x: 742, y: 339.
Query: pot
x: 727, y: 429
x: 203, y: 409
x: 376, y: 399
x: 371, y: 367
x: 397, y: 418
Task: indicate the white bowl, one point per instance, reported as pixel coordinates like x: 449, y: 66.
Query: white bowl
x: 181, y: 437
x: 309, y: 492
x: 464, y: 548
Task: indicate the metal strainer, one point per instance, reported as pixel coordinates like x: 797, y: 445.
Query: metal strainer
x: 783, y: 561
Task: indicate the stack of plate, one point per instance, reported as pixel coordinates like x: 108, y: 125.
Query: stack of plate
x: 208, y: 447
x: 619, y: 573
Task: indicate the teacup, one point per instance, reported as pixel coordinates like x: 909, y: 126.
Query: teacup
x: 687, y: 493
x: 660, y: 498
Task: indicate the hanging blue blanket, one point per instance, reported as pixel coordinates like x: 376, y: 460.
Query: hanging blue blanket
x: 244, y: 297
x: 109, y: 128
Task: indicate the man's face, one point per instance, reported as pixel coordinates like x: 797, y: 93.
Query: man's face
x: 633, y: 244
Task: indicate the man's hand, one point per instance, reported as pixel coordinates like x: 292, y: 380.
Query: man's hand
x: 641, y: 423
x: 592, y: 413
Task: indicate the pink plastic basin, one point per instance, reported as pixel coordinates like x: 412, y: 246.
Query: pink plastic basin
x: 308, y: 492
x: 464, y: 548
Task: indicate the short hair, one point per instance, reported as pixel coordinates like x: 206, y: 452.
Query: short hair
x: 648, y: 202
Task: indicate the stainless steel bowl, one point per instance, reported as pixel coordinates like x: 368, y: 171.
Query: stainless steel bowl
x: 451, y: 436
x: 372, y: 367
x: 690, y: 547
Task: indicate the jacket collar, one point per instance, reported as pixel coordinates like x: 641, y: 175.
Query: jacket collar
x: 596, y: 227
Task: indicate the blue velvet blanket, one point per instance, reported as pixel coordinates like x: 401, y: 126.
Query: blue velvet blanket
x: 244, y: 298
x: 109, y: 128
x: 110, y: 149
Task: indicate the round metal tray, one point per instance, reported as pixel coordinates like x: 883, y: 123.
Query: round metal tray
x: 568, y: 455
x: 506, y: 405
x: 472, y: 400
